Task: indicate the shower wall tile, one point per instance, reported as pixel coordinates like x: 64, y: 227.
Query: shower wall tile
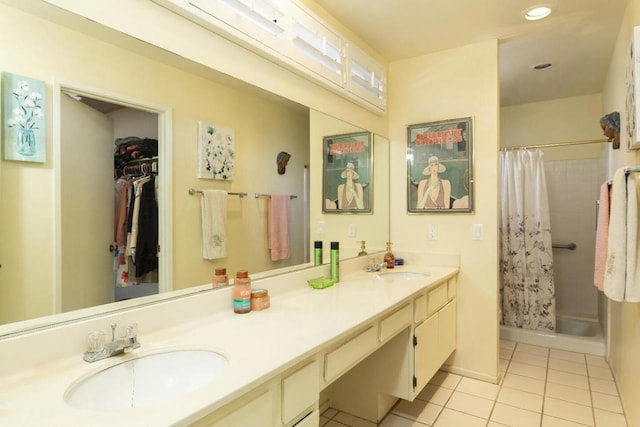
x: 573, y: 187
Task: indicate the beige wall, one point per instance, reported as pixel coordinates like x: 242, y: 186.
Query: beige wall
x: 444, y: 85
x: 624, y: 320
x: 262, y: 129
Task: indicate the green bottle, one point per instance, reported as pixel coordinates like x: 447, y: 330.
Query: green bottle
x: 335, y: 261
x: 317, y: 252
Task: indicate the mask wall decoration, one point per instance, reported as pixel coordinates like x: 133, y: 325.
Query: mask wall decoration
x: 282, y: 160
x: 610, y: 125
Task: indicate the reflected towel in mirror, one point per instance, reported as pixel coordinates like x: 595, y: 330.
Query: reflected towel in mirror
x: 214, y: 224
x: 278, y: 212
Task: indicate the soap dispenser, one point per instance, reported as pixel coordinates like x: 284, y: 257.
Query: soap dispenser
x: 362, y: 248
x: 389, y: 258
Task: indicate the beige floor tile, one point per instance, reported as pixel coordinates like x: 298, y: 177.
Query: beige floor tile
x: 527, y: 384
x: 419, y: 410
x: 549, y: 421
x: 520, y: 399
x: 330, y: 413
x: 333, y: 423
x: 478, y: 388
x: 533, y: 349
x: 601, y: 373
x: 570, y: 394
x: 531, y: 371
x: 435, y: 394
x: 470, y: 404
x: 517, y: 417
x: 445, y: 379
x: 603, y: 386
x: 568, y: 366
x: 609, y: 419
x: 531, y: 359
x: 352, y: 421
x: 568, y: 411
x: 596, y: 361
x: 567, y: 378
x: 607, y: 402
x: 324, y: 420
x: 393, y: 420
x: 506, y: 353
x: 567, y: 355
x: 507, y: 344
x: 503, y: 365
x: 495, y: 424
x: 450, y: 418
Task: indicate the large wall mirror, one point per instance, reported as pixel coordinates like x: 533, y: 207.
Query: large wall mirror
x: 36, y: 213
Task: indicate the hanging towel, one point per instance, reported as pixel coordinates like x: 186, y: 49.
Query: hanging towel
x: 602, y: 233
x: 614, y: 276
x: 632, y: 285
x: 214, y: 224
x: 278, y: 226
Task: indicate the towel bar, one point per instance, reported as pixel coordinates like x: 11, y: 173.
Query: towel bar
x: 194, y: 191
x: 258, y: 195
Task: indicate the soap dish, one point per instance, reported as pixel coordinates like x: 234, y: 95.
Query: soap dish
x: 321, y: 282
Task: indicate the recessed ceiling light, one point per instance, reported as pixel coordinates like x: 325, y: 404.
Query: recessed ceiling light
x: 543, y: 66
x: 537, y: 12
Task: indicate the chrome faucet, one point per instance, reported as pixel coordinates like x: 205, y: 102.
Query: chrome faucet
x: 376, y: 266
x: 98, y: 349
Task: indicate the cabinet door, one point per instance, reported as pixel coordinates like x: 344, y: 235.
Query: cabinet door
x: 258, y: 412
x: 447, y: 330
x: 426, y: 352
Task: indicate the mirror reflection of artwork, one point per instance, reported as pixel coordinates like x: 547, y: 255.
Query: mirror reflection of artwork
x: 23, y: 118
x: 347, y: 173
x: 439, y: 166
x: 632, y: 88
x: 216, y: 154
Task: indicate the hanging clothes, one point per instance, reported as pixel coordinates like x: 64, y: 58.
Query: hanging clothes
x: 146, y: 259
x: 527, y: 286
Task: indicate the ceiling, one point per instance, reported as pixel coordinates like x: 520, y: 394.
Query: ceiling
x: 578, y: 38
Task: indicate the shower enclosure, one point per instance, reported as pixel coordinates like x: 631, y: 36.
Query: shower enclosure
x: 573, y: 178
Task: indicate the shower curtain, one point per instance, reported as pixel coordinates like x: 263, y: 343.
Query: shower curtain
x: 526, y: 259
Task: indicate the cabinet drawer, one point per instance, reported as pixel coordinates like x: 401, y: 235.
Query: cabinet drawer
x: 420, y: 309
x: 452, y: 286
x: 300, y: 390
x: 395, y: 322
x: 343, y: 357
x: 436, y: 298
x: 313, y: 419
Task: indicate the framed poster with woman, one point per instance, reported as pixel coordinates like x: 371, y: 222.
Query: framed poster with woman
x: 347, y: 173
x: 440, y: 166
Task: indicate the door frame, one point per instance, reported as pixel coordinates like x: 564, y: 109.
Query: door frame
x: 165, y: 205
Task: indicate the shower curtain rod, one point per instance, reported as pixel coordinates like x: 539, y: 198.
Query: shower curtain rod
x: 560, y: 144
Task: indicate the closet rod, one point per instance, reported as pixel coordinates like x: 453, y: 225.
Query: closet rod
x: 258, y: 195
x: 241, y: 195
x: 560, y: 144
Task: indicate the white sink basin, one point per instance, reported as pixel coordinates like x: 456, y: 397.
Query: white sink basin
x: 147, y: 380
x: 402, y: 275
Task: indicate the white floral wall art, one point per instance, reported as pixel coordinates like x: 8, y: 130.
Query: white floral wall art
x: 23, y: 118
x: 216, y: 154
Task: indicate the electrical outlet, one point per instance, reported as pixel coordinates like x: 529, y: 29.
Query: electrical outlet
x: 320, y: 228
x: 433, y: 232
x: 477, y: 232
x: 352, y: 230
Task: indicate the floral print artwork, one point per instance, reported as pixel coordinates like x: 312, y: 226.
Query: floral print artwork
x: 216, y: 155
x: 527, y: 287
x: 23, y: 114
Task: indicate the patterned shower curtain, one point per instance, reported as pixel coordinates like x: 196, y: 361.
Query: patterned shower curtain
x: 526, y: 260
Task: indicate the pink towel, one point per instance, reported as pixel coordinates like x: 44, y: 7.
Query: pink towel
x: 602, y: 235
x: 278, y: 226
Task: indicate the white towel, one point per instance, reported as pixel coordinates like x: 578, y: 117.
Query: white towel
x: 632, y: 287
x: 214, y: 224
x: 614, y: 276
x: 602, y: 234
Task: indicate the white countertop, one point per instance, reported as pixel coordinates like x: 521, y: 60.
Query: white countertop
x: 259, y: 346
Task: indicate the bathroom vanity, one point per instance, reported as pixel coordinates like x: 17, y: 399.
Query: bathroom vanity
x: 377, y: 336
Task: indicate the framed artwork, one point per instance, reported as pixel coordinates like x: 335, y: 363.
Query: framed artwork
x: 632, y: 88
x: 440, y: 166
x: 347, y: 173
x: 216, y: 153
x: 23, y: 118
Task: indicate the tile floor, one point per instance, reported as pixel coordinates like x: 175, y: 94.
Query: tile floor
x: 540, y: 387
